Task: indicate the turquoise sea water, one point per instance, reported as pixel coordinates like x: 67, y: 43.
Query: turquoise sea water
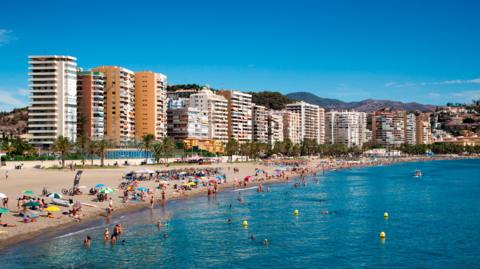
x: 433, y: 223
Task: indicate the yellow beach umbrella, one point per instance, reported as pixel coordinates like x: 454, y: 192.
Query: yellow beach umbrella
x: 52, y: 208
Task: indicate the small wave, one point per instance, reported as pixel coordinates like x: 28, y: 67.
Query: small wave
x: 77, y: 232
x: 251, y: 188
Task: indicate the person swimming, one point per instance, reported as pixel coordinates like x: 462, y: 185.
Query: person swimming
x: 229, y: 221
x: 252, y: 237
x: 165, y: 235
x: 159, y: 225
x: 87, y: 241
x: 265, y: 242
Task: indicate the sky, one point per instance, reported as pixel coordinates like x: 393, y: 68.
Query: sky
x: 420, y: 51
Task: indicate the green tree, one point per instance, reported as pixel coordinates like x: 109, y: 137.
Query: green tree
x: 147, y: 143
x: 101, y: 147
x: 231, y: 148
x: 83, y: 143
x: 168, y: 146
x: 62, y: 146
x: 157, y: 151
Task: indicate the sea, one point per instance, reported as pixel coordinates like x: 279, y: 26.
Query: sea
x: 433, y: 222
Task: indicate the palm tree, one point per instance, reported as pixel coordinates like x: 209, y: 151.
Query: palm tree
x: 231, y: 148
x: 157, y: 150
x: 146, y: 144
x: 168, y: 145
x: 101, y: 147
x: 83, y: 143
x: 62, y: 145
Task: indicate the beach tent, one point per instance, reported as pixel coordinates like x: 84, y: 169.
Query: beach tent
x: 31, y: 204
x: 54, y: 195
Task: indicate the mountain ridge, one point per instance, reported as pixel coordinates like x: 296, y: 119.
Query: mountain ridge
x: 367, y: 105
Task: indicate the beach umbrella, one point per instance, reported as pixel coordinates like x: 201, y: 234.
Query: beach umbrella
x: 4, y: 210
x: 142, y: 189
x: 98, y: 186
x: 191, y: 184
x: 52, y: 208
x: 107, y: 190
x: 163, y: 182
x: 219, y: 177
x: 28, y: 192
x: 2, y: 195
x: 212, y: 181
x: 54, y: 195
x: 31, y: 204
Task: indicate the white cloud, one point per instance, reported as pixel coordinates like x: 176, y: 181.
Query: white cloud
x: 467, y: 96
x: 5, y: 36
x: 431, y: 83
x: 11, y: 99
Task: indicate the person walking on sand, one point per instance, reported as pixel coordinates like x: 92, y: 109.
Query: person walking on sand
x: 151, y: 202
x: 6, y: 174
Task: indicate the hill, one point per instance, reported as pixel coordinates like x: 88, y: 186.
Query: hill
x: 13, y: 123
x: 367, y: 105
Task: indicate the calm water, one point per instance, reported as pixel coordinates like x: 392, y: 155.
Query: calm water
x: 433, y: 224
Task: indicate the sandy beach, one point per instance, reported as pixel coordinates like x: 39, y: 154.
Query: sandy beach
x: 55, y: 180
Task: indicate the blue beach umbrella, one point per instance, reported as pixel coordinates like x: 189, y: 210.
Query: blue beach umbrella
x: 98, y: 186
x: 142, y: 189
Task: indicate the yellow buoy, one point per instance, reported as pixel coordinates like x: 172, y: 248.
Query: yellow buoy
x: 385, y: 215
x: 382, y: 235
x: 245, y: 223
x: 295, y: 212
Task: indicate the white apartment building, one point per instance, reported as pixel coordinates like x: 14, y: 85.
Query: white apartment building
x: 260, y: 123
x: 348, y: 128
x: 312, y: 120
x: 275, y: 127
x: 291, y: 126
x: 410, y: 129
x: 239, y: 115
x: 53, y: 89
x: 216, y: 107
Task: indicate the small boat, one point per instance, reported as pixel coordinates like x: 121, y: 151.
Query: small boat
x: 418, y: 173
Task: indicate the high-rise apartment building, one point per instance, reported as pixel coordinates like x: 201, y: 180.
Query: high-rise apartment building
x: 217, y: 108
x: 275, y: 127
x: 291, y: 126
x: 410, y: 129
x: 239, y: 115
x: 312, y: 120
x: 119, y: 104
x: 260, y: 123
x: 423, y: 129
x: 90, y: 101
x: 53, y: 109
x: 150, y: 104
x: 346, y: 128
x: 389, y: 128
x: 186, y: 122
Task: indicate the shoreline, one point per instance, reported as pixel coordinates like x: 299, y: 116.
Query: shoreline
x: 125, y: 209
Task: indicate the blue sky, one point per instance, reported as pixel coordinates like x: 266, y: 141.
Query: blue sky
x: 424, y: 51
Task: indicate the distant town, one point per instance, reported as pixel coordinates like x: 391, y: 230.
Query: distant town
x: 125, y: 108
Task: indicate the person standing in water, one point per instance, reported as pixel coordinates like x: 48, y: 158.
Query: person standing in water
x: 87, y: 241
x: 151, y: 202
x: 106, y: 235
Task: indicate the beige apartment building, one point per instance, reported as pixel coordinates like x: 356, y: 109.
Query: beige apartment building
x: 216, y: 107
x: 119, y: 104
x: 311, y: 120
x: 260, y: 123
x: 423, y: 129
x: 345, y: 127
x: 239, y: 115
x: 275, y: 127
x: 291, y: 126
x: 150, y: 104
